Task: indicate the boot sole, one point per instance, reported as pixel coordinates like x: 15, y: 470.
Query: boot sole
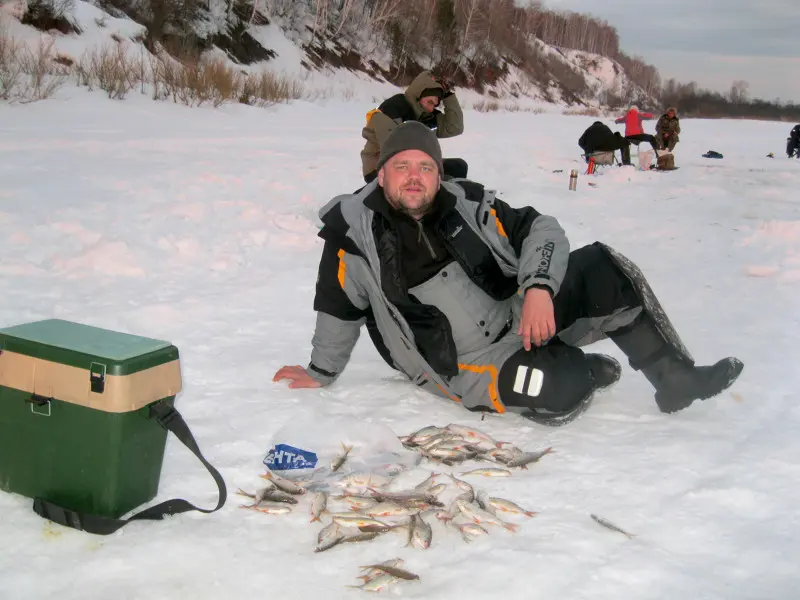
x: 559, y: 420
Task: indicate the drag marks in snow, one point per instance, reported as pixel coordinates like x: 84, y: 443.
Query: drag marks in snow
x: 110, y: 258
x: 782, y: 237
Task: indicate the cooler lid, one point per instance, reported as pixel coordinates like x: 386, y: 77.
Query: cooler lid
x: 79, y: 345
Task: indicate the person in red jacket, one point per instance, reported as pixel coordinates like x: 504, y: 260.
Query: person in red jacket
x: 634, y: 131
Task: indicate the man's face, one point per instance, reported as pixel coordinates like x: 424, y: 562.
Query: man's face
x: 429, y: 103
x: 670, y: 113
x: 410, y: 180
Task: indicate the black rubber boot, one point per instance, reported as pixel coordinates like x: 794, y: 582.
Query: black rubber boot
x: 626, y: 155
x: 677, y: 381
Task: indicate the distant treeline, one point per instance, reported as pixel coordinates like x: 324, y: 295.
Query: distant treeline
x: 697, y: 102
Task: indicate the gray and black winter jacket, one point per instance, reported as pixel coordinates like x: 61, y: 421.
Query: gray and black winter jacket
x: 361, y: 280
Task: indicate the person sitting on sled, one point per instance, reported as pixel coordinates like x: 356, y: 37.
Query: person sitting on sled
x: 793, y: 142
x: 482, y: 303
x: 668, y: 129
x: 598, y: 137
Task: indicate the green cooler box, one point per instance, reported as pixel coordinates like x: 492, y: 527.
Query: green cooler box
x: 75, y: 423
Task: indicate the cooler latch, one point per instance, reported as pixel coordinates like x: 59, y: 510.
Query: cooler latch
x: 40, y: 405
x: 97, y: 377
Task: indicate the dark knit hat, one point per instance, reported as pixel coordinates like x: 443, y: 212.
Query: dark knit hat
x: 411, y: 135
x: 437, y: 91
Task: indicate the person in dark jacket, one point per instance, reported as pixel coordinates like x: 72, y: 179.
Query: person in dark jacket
x: 599, y: 138
x: 482, y: 303
x: 668, y: 129
x: 420, y: 102
x: 793, y: 142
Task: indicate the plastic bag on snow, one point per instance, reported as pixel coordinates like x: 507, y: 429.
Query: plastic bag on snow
x: 306, y: 449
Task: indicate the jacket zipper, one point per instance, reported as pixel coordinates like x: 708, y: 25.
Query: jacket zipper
x: 423, y: 237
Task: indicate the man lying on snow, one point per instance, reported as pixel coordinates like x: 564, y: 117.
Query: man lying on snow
x: 418, y: 103
x: 483, y: 303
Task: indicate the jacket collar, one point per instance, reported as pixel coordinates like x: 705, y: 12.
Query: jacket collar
x: 376, y: 201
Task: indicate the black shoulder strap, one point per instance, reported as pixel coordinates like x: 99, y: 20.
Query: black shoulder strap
x: 171, y: 420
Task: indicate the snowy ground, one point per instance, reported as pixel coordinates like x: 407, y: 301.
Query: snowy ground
x: 199, y: 226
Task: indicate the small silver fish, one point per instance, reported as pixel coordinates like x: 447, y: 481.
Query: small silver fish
x: 438, y: 440
x: 363, y: 480
x: 276, y: 495
x: 489, y: 472
x: 331, y: 529
x: 359, y: 536
x: 423, y: 435
x: 611, y: 526
x: 290, y: 487
x: 269, y: 493
x: 270, y: 509
x: 464, y: 487
x: 376, y: 584
x: 446, y: 452
x: 482, y: 500
x: 394, y: 571
x: 381, y: 528
x: 356, y: 520
x: 427, y: 484
x: 402, y: 497
x: 356, y: 502
x: 318, y: 505
x: 372, y: 571
x: 258, y: 497
x: 469, y: 530
x: 480, y: 516
x: 505, y: 454
x: 502, y: 505
x: 328, y: 538
x: 392, y: 562
x: 469, y: 433
x: 420, y: 534
x: 437, y: 489
x: 340, y: 459
x: 527, y: 458
x: 343, y: 536
x: 451, y: 512
x: 389, y: 509
x: 482, y: 445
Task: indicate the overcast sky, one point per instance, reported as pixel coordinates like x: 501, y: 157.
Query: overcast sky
x: 713, y: 42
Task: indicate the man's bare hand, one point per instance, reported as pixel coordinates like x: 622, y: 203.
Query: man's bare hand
x: 298, y: 375
x: 538, y: 323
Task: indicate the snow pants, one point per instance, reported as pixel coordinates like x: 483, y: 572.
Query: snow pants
x: 602, y: 291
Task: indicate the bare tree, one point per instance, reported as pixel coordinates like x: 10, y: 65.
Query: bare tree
x: 739, y: 91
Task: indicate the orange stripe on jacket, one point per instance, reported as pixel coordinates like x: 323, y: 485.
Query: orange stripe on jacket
x: 497, y: 222
x: 370, y: 113
x: 493, y: 396
x: 342, y: 268
x: 444, y: 391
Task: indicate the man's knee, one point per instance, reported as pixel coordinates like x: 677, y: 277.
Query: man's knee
x: 589, y: 257
x: 554, y: 378
x: 598, y: 280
